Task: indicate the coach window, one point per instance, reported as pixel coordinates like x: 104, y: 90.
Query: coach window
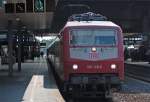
x: 71, y: 37
x: 60, y: 37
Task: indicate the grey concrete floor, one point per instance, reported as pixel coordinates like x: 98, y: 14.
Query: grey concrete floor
x: 33, y: 84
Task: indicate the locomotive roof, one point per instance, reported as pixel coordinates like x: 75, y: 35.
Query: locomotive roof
x: 91, y: 23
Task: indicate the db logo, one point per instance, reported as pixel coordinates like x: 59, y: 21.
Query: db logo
x: 93, y: 55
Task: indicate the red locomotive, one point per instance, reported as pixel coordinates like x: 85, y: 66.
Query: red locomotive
x: 88, y: 55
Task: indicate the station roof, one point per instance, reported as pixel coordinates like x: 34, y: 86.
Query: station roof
x: 131, y: 16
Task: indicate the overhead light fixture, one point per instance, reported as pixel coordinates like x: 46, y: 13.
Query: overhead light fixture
x: 94, y: 49
x: 4, y: 2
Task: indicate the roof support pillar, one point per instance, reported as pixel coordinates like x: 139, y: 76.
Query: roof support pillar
x: 19, y: 44
x: 146, y: 25
x: 10, y: 48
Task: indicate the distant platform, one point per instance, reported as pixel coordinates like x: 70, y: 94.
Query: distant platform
x: 139, y: 63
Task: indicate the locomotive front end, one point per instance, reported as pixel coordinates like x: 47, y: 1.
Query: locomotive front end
x: 95, y: 56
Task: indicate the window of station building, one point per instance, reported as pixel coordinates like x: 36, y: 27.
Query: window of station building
x: 38, y: 5
x: 50, y: 5
x: 20, y: 7
x: 29, y: 5
x: 9, y: 8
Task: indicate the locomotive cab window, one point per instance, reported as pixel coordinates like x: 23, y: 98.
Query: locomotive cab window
x: 90, y: 37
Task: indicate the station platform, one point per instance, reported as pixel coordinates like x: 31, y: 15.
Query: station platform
x: 140, y: 63
x: 33, y: 84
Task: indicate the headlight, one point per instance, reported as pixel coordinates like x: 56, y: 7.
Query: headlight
x: 93, y: 49
x: 113, y: 66
x: 75, y: 66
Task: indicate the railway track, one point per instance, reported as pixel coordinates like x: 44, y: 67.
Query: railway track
x: 133, y: 89
x: 136, y: 87
x: 137, y: 83
x: 138, y: 71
